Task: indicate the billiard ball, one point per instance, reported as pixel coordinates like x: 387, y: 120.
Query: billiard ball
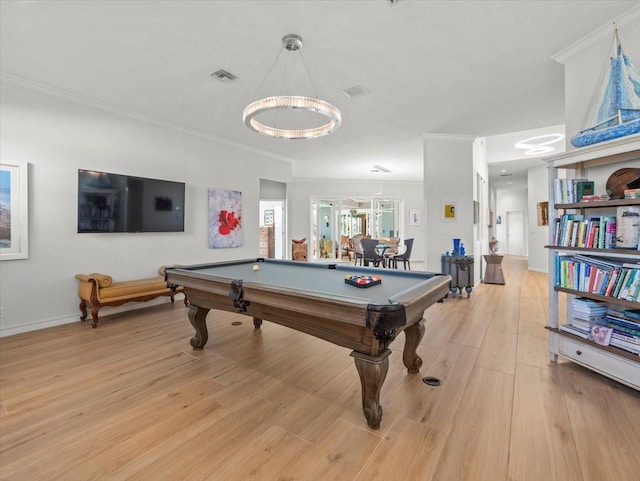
x: 256, y: 267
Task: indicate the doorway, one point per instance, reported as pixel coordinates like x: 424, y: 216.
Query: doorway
x: 336, y: 220
x: 515, y: 233
x: 272, y: 220
x: 271, y: 240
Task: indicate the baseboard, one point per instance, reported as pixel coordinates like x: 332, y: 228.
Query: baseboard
x: 36, y: 325
x: 537, y: 270
x: 68, y: 319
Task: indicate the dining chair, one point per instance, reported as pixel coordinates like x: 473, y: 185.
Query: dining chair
x: 328, y: 249
x: 357, y: 249
x: 405, y: 257
x: 392, y: 250
x: 369, y: 252
x: 345, y: 247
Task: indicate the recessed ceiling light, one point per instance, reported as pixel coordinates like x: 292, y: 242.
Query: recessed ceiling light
x: 503, y: 170
x: 539, y: 145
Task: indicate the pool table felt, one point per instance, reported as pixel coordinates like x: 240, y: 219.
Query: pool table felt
x: 318, y: 278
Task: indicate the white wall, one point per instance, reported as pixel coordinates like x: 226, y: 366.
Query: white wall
x: 538, y: 235
x: 448, y: 176
x: 481, y: 194
x: 57, y: 136
x: 299, y: 194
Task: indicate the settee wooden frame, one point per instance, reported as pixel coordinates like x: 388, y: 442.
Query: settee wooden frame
x: 146, y: 290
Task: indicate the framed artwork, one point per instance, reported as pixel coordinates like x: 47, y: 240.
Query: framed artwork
x: 449, y: 211
x: 476, y: 212
x: 268, y: 218
x: 14, y: 222
x: 543, y: 213
x: 225, y: 216
x: 415, y: 217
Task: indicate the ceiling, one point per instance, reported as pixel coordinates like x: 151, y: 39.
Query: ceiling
x: 477, y: 68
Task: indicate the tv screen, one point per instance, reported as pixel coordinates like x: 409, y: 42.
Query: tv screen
x: 122, y: 203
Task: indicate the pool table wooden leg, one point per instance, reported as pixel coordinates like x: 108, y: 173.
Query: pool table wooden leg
x: 257, y: 322
x: 414, y: 334
x: 198, y: 318
x: 372, y: 371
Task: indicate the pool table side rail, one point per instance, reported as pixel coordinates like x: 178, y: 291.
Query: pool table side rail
x: 339, y: 323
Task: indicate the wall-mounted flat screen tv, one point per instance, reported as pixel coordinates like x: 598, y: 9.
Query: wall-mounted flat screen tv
x: 123, y: 203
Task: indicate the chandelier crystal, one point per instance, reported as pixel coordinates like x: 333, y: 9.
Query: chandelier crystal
x: 292, y: 42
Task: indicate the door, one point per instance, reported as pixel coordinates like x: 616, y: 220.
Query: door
x: 515, y: 233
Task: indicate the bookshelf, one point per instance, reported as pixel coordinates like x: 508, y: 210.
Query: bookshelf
x: 595, y: 163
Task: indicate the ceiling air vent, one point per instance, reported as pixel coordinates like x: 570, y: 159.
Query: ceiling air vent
x: 506, y: 175
x: 355, y: 91
x: 380, y: 169
x: 223, y: 75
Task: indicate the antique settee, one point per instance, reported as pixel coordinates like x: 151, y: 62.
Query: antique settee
x: 98, y: 290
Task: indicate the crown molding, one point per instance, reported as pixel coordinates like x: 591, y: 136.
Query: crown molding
x: 98, y: 104
x: 316, y: 180
x: 625, y: 21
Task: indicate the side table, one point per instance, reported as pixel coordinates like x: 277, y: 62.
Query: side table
x: 493, y: 274
x: 460, y: 268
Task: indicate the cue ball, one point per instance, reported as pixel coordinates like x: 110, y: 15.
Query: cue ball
x: 256, y: 267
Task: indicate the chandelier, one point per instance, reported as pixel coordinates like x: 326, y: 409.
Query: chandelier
x: 292, y: 43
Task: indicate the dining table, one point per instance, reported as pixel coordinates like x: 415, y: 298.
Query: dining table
x: 381, y: 249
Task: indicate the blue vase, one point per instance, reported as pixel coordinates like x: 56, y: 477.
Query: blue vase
x: 456, y: 247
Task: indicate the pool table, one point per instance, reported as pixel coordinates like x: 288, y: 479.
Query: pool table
x: 314, y: 298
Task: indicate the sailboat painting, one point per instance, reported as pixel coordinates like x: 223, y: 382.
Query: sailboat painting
x: 615, y: 111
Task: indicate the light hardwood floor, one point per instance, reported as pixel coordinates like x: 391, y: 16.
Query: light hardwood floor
x: 131, y: 400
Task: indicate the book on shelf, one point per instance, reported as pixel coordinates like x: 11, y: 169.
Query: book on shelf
x: 632, y: 193
x: 618, y: 320
x: 632, y: 315
x: 610, y: 234
x: 585, y: 325
x: 588, y: 308
x: 628, y: 338
x: 573, y: 230
x: 582, y: 188
x: 600, y: 334
x: 569, y: 191
x: 626, y: 328
x: 572, y: 330
x: 598, y: 275
x: 630, y: 286
x: 622, y: 330
x: 620, y: 344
